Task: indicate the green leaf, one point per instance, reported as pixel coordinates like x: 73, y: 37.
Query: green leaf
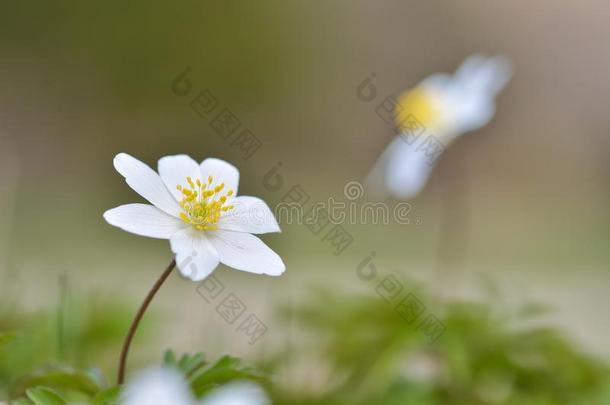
x: 187, y: 364
x: 169, y: 359
x: 224, y: 370
x: 60, y: 380
x: 109, y: 396
x: 45, y: 396
x: 190, y: 364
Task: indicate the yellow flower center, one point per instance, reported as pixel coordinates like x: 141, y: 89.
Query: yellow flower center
x: 417, y: 103
x: 203, y: 204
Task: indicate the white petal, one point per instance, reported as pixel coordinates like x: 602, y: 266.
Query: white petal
x: 196, y: 258
x: 470, y: 65
x: 407, y: 169
x: 222, y: 172
x: 473, y: 112
x: 486, y: 75
x: 175, y: 169
x: 237, y: 393
x: 474, y: 88
x: 251, y: 215
x: 159, y: 386
x: 146, y: 182
x: 144, y: 220
x: 243, y: 251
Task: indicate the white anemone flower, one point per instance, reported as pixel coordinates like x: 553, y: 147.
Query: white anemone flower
x: 158, y: 386
x: 196, y: 207
x: 431, y: 116
x: 165, y: 386
x: 237, y: 393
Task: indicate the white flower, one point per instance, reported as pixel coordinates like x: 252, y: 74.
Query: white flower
x: 431, y: 116
x: 158, y: 386
x: 165, y: 386
x: 196, y: 207
x: 237, y: 393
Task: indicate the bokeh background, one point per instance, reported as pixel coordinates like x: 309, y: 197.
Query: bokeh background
x: 523, y: 200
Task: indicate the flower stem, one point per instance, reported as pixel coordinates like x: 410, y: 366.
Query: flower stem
x: 453, y: 229
x: 138, y: 318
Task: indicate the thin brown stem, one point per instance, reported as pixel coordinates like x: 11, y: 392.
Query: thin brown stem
x: 138, y: 318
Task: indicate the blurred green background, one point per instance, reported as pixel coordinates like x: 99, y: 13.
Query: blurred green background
x: 526, y: 197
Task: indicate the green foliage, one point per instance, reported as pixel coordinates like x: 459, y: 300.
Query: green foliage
x: 187, y: 364
x: 66, y: 384
x: 63, y: 379
x: 484, y: 356
x: 59, y: 385
x: 108, y: 396
x: 203, y: 380
x: 35, y: 346
x: 29, y: 346
x: 6, y: 337
x: 368, y: 352
x: 44, y: 396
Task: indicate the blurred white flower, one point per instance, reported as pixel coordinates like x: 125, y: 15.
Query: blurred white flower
x: 165, y: 386
x: 237, y: 393
x: 431, y: 116
x: 196, y: 207
x: 159, y: 386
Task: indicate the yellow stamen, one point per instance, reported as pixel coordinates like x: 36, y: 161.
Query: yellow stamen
x: 203, y: 208
x: 419, y: 104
